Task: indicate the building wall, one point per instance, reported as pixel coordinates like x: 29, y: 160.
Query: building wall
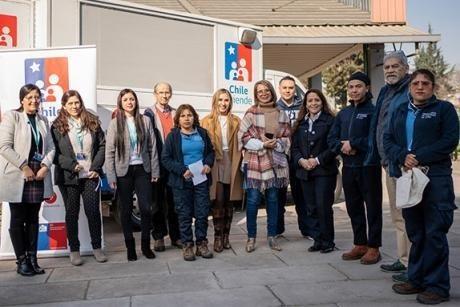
x: 388, y: 11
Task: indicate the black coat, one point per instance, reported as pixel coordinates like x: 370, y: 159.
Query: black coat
x: 314, y: 145
x: 352, y: 124
x: 172, y: 157
x: 65, y: 160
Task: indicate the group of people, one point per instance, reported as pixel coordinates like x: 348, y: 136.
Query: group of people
x: 182, y: 169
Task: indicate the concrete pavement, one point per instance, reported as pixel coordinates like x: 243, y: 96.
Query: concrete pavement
x: 292, y: 277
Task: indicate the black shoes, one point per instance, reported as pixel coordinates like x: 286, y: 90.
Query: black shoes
x: 24, y: 266
x: 146, y: 250
x: 317, y: 247
x: 131, y: 250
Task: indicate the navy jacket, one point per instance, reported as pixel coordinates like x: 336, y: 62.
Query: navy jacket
x: 352, y: 123
x: 400, y: 97
x: 314, y: 145
x: 436, y: 133
x: 172, y: 157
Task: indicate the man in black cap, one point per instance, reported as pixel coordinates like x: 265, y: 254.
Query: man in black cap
x: 361, y: 184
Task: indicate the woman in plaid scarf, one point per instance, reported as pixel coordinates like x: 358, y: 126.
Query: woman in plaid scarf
x: 264, y: 134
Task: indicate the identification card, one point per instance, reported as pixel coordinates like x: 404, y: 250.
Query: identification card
x: 81, y: 156
x: 38, y: 157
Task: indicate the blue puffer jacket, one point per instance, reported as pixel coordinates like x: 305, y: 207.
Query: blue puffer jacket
x: 352, y: 124
x: 436, y: 132
x: 400, y: 97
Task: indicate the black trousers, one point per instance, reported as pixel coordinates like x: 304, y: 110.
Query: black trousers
x: 318, y: 195
x: 24, y: 227
x: 165, y: 218
x: 139, y: 181
x: 86, y: 188
x: 363, y: 185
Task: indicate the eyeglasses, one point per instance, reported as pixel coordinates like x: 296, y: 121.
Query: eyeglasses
x: 264, y: 91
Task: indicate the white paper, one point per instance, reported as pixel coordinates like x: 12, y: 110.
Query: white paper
x: 196, y: 169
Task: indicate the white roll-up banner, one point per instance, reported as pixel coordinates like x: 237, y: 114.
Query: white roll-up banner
x: 54, y: 71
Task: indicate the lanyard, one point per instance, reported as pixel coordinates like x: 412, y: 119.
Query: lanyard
x: 132, y: 136
x: 35, y: 133
x: 78, y: 133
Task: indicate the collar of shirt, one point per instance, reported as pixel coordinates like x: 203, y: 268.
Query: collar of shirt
x: 166, y: 108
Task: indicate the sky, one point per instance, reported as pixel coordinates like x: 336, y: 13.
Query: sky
x: 443, y: 15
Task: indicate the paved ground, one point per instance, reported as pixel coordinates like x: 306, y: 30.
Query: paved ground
x: 291, y: 277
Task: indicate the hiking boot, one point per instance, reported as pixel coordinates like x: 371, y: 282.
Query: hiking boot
x: 372, y: 256
x: 187, y: 252
x: 355, y: 253
x: 395, y: 267
x: 227, y: 244
x: 99, y: 255
x: 431, y: 298
x: 273, y: 244
x: 251, y: 245
x: 75, y: 258
x: 401, y: 278
x: 202, y: 250
x: 406, y: 288
x: 159, y: 245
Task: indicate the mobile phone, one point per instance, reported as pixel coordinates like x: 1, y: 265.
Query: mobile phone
x: 269, y: 135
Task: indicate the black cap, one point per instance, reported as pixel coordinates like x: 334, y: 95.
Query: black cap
x: 361, y: 77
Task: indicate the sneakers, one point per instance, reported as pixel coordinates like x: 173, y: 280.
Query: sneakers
x: 372, y: 256
x: 202, y: 250
x: 395, y: 267
x: 355, y: 253
x: 401, y: 278
x: 316, y: 247
x: 251, y: 245
x: 273, y: 244
x: 159, y: 245
x: 188, y: 253
x: 75, y: 258
x: 406, y: 288
x: 218, y: 244
x: 99, y: 255
x: 431, y: 298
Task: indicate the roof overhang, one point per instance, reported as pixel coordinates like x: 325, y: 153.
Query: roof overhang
x: 346, y: 34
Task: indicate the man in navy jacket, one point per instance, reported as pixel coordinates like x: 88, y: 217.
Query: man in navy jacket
x: 349, y: 137
x: 391, y: 96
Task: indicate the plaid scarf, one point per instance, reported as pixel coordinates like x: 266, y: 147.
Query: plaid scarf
x: 266, y: 168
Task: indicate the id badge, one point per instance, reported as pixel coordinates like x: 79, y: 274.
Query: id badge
x: 81, y: 156
x: 38, y: 157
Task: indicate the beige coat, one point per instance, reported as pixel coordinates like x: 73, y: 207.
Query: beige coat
x: 15, y: 142
x: 116, y: 167
x: 215, y: 133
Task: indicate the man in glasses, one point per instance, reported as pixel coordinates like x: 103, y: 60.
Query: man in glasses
x: 393, y: 94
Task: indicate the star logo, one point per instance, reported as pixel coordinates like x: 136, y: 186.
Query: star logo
x: 35, y: 67
x: 231, y: 50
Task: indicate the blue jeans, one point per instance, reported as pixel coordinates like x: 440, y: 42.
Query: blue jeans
x: 192, y: 201
x: 253, y: 197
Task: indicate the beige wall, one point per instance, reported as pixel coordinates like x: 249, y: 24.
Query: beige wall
x: 388, y: 11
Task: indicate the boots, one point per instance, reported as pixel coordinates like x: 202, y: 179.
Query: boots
x: 187, y: 252
x: 372, y: 256
x: 17, y: 239
x: 273, y: 244
x: 75, y: 258
x: 32, y: 235
x: 226, y: 243
x: 146, y: 250
x: 355, y: 253
x: 202, y: 249
x: 218, y: 244
x: 251, y: 245
x: 131, y: 249
x: 227, y: 226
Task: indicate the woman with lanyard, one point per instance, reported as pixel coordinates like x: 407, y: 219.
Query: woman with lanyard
x: 26, y: 155
x: 226, y: 188
x: 80, y: 154
x: 131, y: 165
